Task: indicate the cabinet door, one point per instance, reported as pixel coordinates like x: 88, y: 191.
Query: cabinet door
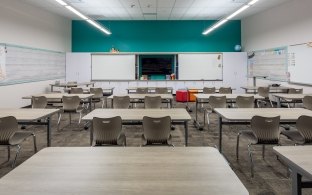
x: 78, y: 67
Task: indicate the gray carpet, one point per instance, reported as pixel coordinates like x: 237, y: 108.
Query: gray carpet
x: 270, y: 175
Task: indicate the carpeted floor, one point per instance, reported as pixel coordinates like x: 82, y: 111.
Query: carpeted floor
x: 270, y: 175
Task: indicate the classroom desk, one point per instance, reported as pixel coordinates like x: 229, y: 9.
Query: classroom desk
x: 141, y: 97
x: 243, y: 116
x: 254, y: 89
x: 57, y: 97
x: 203, y: 99
x: 298, y: 158
x: 290, y: 98
x: 150, y: 89
x: 124, y: 170
x: 27, y: 116
x: 66, y: 85
x: 178, y: 116
x: 106, y: 91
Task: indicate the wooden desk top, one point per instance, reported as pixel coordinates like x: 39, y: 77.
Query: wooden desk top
x: 142, y: 96
x: 27, y: 114
x: 71, y: 85
x: 298, y: 157
x: 119, y: 171
x: 151, y: 88
x: 202, y: 88
x: 228, y: 96
x: 245, y: 114
x: 138, y: 114
x: 60, y: 95
x: 271, y: 88
x: 291, y: 96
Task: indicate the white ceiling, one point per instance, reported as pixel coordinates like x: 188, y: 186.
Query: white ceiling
x: 154, y: 9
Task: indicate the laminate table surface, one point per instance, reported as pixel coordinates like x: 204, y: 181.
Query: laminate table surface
x: 228, y: 96
x: 60, y: 95
x: 119, y: 171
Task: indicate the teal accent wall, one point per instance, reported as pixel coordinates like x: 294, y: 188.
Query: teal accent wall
x: 156, y: 36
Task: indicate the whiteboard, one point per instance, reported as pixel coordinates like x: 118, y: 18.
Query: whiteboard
x: 300, y: 64
x: 19, y: 64
x: 112, y: 67
x: 200, y: 66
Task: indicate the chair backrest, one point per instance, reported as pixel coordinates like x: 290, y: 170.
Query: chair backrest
x: 70, y: 103
x: 266, y: 129
x: 8, y: 126
x: 264, y: 91
x: 152, y: 102
x: 295, y: 91
x: 156, y: 130
x: 142, y: 90
x: 98, y: 92
x: 209, y: 90
x: 39, y: 102
x: 304, y: 126
x: 307, y: 102
x: 72, y: 83
x: 217, y: 101
x: 245, y: 101
x: 121, y: 101
x: 107, y: 130
x: 225, y: 90
x: 161, y: 90
x: 76, y: 90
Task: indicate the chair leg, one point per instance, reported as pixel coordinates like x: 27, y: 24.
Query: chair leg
x: 80, y: 116
x: 258, y: 105
x: 263, y: 151
x: 237, y: 145
x: 35, y: 143
x: 251, y: 160
x: 17, y: 153
x: 9, y: 153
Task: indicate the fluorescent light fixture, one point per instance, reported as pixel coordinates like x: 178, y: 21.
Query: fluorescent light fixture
x: 224, y: 20
x: 76, y: 12
x: 61, y: 2
x: 95, y: 24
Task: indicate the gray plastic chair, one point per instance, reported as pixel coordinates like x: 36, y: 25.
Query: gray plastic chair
x: 307, y: 102
x: 225, y: 90
x: 152, y: 102
x: 71, y: 104
x: 156, y: 131
x: 39, y: 102
x: 303, y: 134
x: 161, y: 90
x: 121, y: 101
x: 264, y: 92
x: 245, y: 101
x: 209, y: 90
x: 264, y: 131
x: 142, y: 90
x: 10, y: 136
x: 98, y: 96
x: 214, y: 102
x: 108, y: 131
x: 76, y: 90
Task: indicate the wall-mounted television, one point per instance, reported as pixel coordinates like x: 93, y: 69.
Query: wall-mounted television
x: 156, y: 65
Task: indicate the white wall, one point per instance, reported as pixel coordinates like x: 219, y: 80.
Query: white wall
x: 287, y: 24
x: 26, y: 25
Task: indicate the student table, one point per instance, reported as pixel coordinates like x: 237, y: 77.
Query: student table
x: 203, y: 98
x: 290, y: 98
x: 150, y: 89
x: 32, y: 117
x: 66, y: 85
x: 178, y: 116
x: 119, y: 170
x: 243, y: 116
x: 254, y: 89
x: 298, y: 158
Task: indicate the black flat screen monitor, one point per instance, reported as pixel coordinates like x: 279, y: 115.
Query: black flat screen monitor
x: 157, y: 65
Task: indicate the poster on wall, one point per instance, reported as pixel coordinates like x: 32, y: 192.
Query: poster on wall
x: 2, y: 63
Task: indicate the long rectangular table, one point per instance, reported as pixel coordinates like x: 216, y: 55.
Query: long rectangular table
x: 68, y: 85
x: 243, y: 116
x: 141, y: 97
x: 289, y: 97
x: 203, y: 99
x: 299, y: 160
x: 178, y: 116
x: 254, y: 89
x: 150, y: 89
x: 119, y: 170
x: 32, y: 117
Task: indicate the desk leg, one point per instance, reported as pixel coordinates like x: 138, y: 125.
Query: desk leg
x: 220, y: 134
x: 51, y: 88
x: 90, y: 103
x: 48, y: 132
x: 278, y: 102
x: 196, y: 122
x: 186, y: 132
x: 91, y: 133
x: 296, y: 183
x: 171, y: 103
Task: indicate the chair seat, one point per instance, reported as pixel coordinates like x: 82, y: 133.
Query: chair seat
x: 293, y: 135
x: 19, y: 137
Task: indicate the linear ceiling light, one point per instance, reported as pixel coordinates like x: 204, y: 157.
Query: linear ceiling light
x: 92, y: 22
x: 224, y: 20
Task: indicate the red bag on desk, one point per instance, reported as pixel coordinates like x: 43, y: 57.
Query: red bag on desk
x: 181, y: 96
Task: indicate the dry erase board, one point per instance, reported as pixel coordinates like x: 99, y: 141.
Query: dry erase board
x: 300, y: 64
x: 20, y: 64
x: 200, y: 66
x: 269, y: 63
